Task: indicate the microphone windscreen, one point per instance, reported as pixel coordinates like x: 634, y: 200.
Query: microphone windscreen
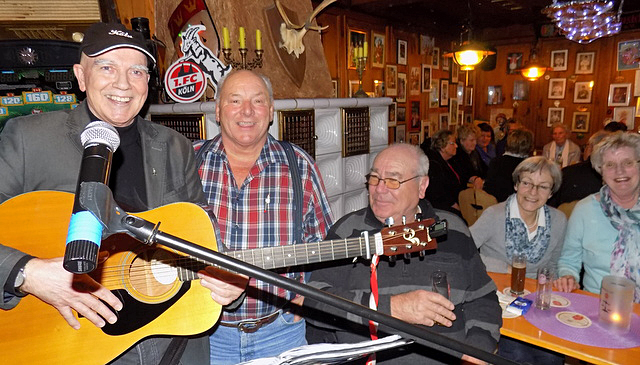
x: 100, y: 132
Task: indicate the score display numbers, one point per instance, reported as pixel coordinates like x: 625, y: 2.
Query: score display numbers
x: 33, y: 102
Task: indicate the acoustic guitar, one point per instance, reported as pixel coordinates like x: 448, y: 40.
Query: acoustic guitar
x: 158, y: 286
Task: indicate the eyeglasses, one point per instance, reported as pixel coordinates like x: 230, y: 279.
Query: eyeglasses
x: 626, y: 164
x: 528, y: 185
x: 389, y: 182
x: 451, y: 143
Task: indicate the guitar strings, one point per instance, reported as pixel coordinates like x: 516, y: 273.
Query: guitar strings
x: 139, y: 275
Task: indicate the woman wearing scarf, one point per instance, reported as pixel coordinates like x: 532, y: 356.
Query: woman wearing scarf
x: 603, y: 233
x: 524, y: 224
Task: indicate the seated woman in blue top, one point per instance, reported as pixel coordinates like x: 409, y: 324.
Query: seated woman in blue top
x: 486, y: 144
x: 603, y: 233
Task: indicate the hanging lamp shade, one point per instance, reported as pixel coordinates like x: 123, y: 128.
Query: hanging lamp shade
x: 533, y: 70
x: 469, y: 54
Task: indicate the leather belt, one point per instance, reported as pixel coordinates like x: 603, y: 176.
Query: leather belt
x: 252, y: 325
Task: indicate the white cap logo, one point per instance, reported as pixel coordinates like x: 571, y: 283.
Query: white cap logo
x: 120, y: 33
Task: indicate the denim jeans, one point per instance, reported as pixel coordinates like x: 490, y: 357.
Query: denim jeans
x: 231, y: 346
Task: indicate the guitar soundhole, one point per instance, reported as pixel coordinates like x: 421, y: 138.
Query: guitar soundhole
x: 153, y: 276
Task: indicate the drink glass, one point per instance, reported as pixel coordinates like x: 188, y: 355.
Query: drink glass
x: 544, y: 287
x: 440, y: 284
x: 518, y: 273
x: 616, y: 303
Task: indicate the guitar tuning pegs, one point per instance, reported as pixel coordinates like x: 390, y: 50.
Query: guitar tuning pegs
x: 389, y: 222
x: 407, y: 256
x: 418, y: 216
x: 404, y: 220
x: 392, y: 259
x: 421, y: 253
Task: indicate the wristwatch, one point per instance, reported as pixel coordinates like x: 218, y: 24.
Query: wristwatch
x: 20, y: 276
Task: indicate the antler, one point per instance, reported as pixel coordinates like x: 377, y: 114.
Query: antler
x: 307, y: 25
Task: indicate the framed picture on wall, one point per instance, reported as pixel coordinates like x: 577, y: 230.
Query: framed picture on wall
x: 514, y: 62
x: 401, y: 131
x: 434, y: 94
x: 402, y: 52
x: 555, y: 115
x: 402, y: 114
x: 454, y: 72
x: 426, y: 44
x: 559, y: 59
x: 426, y: 78
x: 582, y: 92
x: 619, y: 94
x: 435, y: 58
x: 414, y: 81
x: 580, y: 122
x: 392, y: 114
x: 628, y: 52
x: 425, y: 130
x: 402, y: 87
x: 378, y: 88
x: 446, y: 61
x: 444, y: 92
x: 460, y: 93
x: 415, y: 115
x: 354, y: 85
x: 391, y: 80
x: 625, y: 115
x: 378, y: 47
x: 414, y: 138
x: 520, y: 90
x: 334, y: 85
x: 468, y: 118
x: 356, y: 39
x: 585, y: 62
x: 468, y: 96
x: 443, y: 121
x: 494, y: 95
x: 557, y: 88
x: 453, y: 112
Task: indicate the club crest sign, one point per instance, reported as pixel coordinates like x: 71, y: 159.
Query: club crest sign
x: 186, y: 79
x: 185, y: 82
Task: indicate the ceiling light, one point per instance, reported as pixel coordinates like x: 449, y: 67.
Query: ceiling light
x: 469, y: 54
x: 584, y: 21
x: 532, y: 69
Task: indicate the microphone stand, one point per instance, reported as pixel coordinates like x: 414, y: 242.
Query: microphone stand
x: 97, y: 198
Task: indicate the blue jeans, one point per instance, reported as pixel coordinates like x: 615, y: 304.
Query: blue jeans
x: 231, y: 346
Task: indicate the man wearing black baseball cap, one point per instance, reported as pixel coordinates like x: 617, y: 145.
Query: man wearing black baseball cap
x: 153, y: 166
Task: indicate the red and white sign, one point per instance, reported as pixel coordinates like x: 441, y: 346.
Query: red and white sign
x: 185, y: 82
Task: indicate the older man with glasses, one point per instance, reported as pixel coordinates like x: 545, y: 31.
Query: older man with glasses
x: 396, y: 183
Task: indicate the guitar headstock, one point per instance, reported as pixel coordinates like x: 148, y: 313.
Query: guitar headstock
x: 412, y: 237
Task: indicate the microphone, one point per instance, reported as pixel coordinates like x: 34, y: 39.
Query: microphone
x: 100, y: 140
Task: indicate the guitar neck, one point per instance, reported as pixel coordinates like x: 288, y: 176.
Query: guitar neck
x: 290, y: 255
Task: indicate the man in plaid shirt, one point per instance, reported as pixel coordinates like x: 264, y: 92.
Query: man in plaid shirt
x: 247, y: 181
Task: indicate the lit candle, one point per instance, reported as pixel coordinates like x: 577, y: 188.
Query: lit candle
x: 241, y: 37
x: 258, y: 39
x: 366, y: 48
x: 225, y: 37
x: 360, y: 52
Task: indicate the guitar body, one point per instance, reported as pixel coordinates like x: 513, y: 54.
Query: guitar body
x: 155, y: 301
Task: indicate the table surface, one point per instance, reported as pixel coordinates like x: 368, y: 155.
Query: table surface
x: 520, y: 329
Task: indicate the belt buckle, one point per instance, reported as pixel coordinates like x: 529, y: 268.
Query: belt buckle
x: 249, y: 326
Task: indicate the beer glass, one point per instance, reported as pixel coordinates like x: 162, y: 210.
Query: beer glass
x: 518, y: 273
x: 544, y: 287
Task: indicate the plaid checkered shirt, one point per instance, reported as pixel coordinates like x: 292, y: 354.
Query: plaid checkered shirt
x: 260, y: 212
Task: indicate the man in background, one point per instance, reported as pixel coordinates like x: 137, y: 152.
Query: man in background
x: 561, y: 150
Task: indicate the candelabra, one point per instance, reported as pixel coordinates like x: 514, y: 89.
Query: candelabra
x: 361, y: 62
x: 243, y: 64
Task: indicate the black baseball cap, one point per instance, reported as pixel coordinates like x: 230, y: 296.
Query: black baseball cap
x: 104, y: 37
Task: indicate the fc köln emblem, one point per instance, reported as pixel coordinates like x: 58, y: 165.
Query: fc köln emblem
x: 185, y: 82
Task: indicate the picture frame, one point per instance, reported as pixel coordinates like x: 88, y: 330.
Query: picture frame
x: 401, y: 133
x: 426, y: 77
x: 336, y: 90
x: 585, y: 62
x: 582, y: 92
x: 444, y: 92
x: 555, y: 115
x: 425, y: 130
x: 494, y: 95
x: 414, y: 138
x: 354, y: 85
x: 468, y: 96
x: 443, y: 121
x: 415, y: 83
x: 557, y: 88
x: 402, y: 114
x: 619, y: 94
x: 468, y: 118
x: 391, y: 79
x: 559, y: 60
x: 392, y: 114
x: 454, y: 72
x: 426, y: 44
x: 628, y: 52
x: 378, y: 88
x: 402, y: 87
x: 356, y: 39
x: 415, y: 118
x: 453, y: 112
x: 461, y: 116
x: 460, y: 93
x: 402, y: 52
x: 625, y: 115
x: 435, y: 58
x: 520, y: 90
x: 514, y: 62
x: 434, y: 94
x: 580, y: 122
x: 446, y: 61
x: 378, y: 47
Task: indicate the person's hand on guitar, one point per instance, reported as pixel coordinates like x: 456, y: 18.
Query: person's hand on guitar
x: 225, y: 286
x: 51, y: 283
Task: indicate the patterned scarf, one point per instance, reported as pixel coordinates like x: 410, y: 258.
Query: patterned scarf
x: 517, y: 235
x: 625, y: 258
